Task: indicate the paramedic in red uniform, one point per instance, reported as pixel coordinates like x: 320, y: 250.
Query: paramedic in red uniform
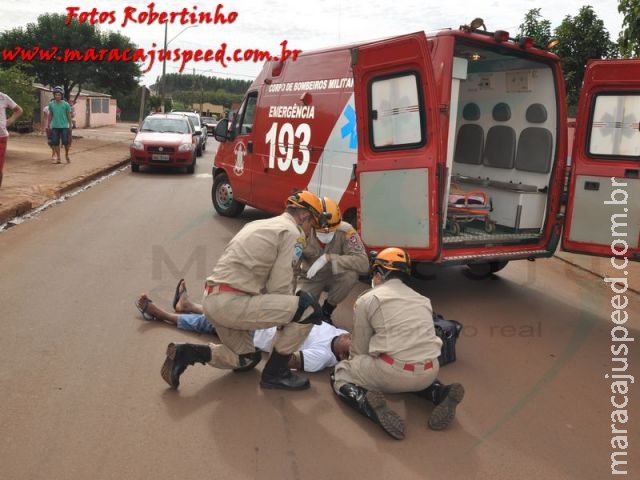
x: 334, y: 258
x: 394, y: 349
x: 251, y: 288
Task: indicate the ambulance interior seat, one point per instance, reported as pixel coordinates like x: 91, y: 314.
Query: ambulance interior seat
x: 535, y: 143
x: 470, y: 139
x: 500, y: 146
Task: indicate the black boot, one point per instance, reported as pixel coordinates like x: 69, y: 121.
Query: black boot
x: 446, y: 398
x: 327, y: 310
x: 248, y: 361
x: 373, y: 405
x: 179, y: 357
x: 432, y: 392
x: 277, y: 374
x: 305, y: 301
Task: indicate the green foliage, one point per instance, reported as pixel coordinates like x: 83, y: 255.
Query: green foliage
x: 177, y: 81
x: 629, y: 39
x: 582, y: 38
x: 19, y: 86
x: 187, y: 89
x: 130, y: 104
x: 50, y: 32
x: 536, y: 27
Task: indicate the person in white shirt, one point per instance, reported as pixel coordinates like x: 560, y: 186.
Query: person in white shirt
x: 324, y: 347
x: 6, y: 103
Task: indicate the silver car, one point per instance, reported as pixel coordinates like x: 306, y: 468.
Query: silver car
x: 199, y: 126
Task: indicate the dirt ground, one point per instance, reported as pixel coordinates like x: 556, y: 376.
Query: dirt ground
x: 31, y: 178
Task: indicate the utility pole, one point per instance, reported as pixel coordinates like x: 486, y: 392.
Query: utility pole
x: 163, y: 85
x: 164, y: 70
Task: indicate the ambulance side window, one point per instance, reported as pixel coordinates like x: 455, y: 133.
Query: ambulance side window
x: 397, y: 116
x: 614, y: 131
x: 246, y: 114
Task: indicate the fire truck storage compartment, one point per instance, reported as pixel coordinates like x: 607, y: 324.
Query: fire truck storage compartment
x: 505, y: 124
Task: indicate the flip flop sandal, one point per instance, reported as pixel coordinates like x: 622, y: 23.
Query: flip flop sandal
x: 143, y: 310
x: 178, y: 292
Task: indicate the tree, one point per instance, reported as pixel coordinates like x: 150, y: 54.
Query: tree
x: 582, y: 38
x: 629, y: 39
x: 536, y: 27
x: 51, y: 32
x: 19, y: 86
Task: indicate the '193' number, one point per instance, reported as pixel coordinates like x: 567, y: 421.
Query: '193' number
x: 284, y: 139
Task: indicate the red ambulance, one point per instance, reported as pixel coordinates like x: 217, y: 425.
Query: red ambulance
x: 453, y: 146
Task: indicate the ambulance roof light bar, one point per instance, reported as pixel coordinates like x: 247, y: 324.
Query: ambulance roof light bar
x: 478, y: 23
x: 501, y: 36
x: 526, y: 42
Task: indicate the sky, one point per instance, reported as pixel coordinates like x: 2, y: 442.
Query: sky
x: 305, y: 25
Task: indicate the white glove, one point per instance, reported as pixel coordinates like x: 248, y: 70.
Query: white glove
x: 317, y: 265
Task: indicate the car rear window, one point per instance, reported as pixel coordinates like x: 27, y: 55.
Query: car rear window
x: 165, y: 125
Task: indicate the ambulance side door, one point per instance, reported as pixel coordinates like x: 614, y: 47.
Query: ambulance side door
x: 603, y: 209
x: 398, y: 145
x: 241, y: 174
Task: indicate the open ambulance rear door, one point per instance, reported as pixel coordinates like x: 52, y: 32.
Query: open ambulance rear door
x: 398, y: 145
x: 603, y: 210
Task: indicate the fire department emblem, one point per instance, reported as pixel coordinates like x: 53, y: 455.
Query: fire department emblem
x: 240, y: 151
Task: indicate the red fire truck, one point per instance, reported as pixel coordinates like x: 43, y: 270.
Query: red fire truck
x: 453, y: 146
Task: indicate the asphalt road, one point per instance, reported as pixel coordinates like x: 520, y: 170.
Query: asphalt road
x: 81, y: 395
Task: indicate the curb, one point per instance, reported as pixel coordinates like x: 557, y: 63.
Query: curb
x: 15, y: 210
x: 89, y: 177
x: 9, y: 212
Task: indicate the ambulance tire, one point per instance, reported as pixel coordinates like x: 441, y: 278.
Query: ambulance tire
x: 351, y: 217
x: 424, y: 270
x: 497, y: 266
x: 222, y: 197
x: 482, y: 270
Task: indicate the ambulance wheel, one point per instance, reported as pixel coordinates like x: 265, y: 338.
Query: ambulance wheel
x: 424, y: 270
x: 222, y: 197
x: 497, y: 266
x: 489, y: 226
x: 351, y: 217
x: 481, y: 270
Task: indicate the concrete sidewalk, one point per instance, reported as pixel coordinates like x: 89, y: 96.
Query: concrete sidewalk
x: 31, y: 179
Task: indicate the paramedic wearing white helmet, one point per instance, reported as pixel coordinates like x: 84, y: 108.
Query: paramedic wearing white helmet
x: 333, y: 259
x: 394, y: 349
x: 250, y: 288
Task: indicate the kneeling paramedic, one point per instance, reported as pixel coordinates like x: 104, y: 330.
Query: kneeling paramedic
x: 251, y: 288
x: 334, y: 259
x: 394, y: 349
